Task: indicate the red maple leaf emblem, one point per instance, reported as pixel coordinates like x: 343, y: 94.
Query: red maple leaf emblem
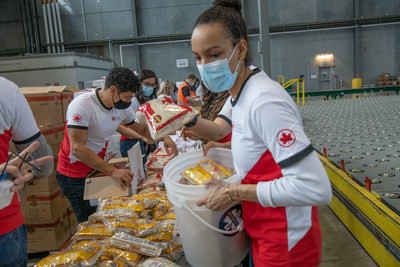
x: 77, y: 118
x: 286, y: 138
x: 113, y: 118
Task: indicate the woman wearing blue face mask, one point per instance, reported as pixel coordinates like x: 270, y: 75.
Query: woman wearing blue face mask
x: 283, y: 180
x: 149, y: 87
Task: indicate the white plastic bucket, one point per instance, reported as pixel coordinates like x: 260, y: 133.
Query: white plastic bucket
x: 209, y: 238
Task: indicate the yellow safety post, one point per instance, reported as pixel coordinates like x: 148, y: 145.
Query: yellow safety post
x: 279, y: 79
x: 298, y: 93
x: 302, y: 85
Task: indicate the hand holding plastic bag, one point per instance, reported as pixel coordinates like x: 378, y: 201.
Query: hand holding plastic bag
x: 163, y: 116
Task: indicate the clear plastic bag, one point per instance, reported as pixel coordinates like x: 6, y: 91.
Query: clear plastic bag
x: 157, y: 262
x: 163, y: 116
x: 86, y: 256
x: 136, y: 244
x: 129, y: 258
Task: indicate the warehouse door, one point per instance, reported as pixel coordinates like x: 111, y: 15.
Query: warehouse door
x: 324, y: 78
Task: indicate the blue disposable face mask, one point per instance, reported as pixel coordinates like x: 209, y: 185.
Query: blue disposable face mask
x: 217, y: 75
x: 147, y: 91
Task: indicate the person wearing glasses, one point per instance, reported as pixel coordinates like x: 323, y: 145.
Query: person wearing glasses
x: 92, y: 119
x: 18, y: 124
x: 149, y: 87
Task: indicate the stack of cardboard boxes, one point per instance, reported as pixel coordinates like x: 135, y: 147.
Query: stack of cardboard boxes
x: 387, y: 79
x: 48, y: 214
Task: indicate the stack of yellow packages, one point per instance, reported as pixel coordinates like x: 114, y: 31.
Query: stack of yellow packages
x: 125, y: 231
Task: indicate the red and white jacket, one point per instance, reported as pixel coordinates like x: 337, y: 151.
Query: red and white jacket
x: 18, y: 124
x: 88, y: 112
x: 270, y: 149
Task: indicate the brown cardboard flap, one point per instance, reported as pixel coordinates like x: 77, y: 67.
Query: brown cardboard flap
x: 48, y: 89
x: 104, y: 186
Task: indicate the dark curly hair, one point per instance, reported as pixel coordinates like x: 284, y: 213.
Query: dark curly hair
x: 124, y: 79
x: 143, y: 75
x: 212, y: 103
x: 229, y: 14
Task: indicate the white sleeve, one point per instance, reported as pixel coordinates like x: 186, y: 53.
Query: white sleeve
x: 226, y: 112
x: 303, y: 184
x: 129, y: 117
x: 78, y: 114
x: 277, y: 122
x: 135, y: 104
x: 23, y: 124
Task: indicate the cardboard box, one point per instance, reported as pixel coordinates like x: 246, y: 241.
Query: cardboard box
x: 54, y: 134
x: 43, y: 207
x: 46, y: 103
x: 73, y: 222
x: 119, y: 163
x: 67, y: 97
x: 103, y: 186
x: 45, y: 185
x: 47, y: 237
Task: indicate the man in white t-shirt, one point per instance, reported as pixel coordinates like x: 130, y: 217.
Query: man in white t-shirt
x: 92, y: 119
x: 17, y: 124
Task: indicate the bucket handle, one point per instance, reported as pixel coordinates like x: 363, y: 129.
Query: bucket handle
x: 238, y: 228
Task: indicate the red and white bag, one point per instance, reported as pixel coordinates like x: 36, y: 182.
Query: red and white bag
x: 163, y: 116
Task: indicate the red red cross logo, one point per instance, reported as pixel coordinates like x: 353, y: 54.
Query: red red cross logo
x: 285, y: 138
x: 77, y: 118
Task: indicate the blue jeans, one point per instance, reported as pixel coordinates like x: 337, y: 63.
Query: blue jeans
x: 127, y: 144
x: 73, y: 189
x: 13, y: 248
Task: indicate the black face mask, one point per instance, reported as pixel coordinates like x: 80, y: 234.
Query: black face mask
x: 121, y: 104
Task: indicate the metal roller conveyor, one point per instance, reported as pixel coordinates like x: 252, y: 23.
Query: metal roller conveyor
x: 361, y: 140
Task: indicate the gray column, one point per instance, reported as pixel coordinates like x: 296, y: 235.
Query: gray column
x: 357, y: 56
x: 263, y: 45
x: 136, y: 48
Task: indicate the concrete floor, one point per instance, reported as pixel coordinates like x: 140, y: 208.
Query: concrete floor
x: 339, y: 247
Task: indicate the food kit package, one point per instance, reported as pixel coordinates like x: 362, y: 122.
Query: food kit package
x: 81, y: 257
x: 157, y: 262
x: 92, y: 232
x: 137, y: 227
x: 163, y: 116
x: 151, y: 181
x: 129, y: 258
x: 157, y: 163
x: 204, y: 171
x: 135, y: 244
x: 173, y: 251
x: 110, y: 263
x: 121, y: 206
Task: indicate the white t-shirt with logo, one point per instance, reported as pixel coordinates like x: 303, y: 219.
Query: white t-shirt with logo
x: 88, y: 112
x: 271, y: 150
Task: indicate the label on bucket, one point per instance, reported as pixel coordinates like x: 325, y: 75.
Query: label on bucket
x: 231, y: 219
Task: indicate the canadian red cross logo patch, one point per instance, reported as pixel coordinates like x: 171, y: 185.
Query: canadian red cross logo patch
x: 286, y: 138
x: 77, y: 118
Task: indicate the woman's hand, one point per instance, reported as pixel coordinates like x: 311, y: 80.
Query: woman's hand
x: 148, y: 140
x: 215, y: 144
x: 22, y: 175
x: 170, y: 144
x: 187, y: 133
x: 217, y: 197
